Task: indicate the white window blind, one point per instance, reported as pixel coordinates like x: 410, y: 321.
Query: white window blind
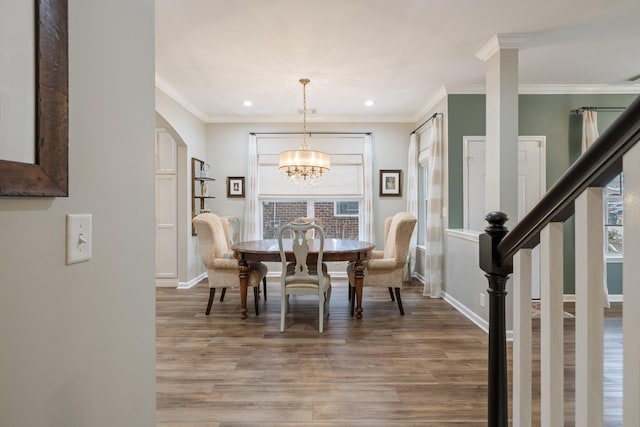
x: 424, y: 146
x: 344, y: 179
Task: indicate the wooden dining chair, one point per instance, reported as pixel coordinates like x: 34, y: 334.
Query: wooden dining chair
x: 300, y: 279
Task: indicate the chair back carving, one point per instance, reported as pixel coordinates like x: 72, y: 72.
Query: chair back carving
x: 300, y: 246
x: 312, y: 219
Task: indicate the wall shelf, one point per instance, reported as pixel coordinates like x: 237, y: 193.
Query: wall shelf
x: 199, y: 190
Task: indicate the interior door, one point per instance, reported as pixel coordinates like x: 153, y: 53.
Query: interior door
x: 166, y: 210
x: 531, y: 186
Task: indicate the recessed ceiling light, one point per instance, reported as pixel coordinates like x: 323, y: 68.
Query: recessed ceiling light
x: 369, y: 102
x: 247, y: 103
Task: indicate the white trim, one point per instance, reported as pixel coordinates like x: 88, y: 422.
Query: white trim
x: 470, y: 235
x: 523, y: 89
x: 191, y: 283
x: 264, y: 118
x: 616, y: 298
x: 502, y: 41
x: 431, y: 104
x: 173, y: 93
x: 552, y: 89
x: 471, y: 315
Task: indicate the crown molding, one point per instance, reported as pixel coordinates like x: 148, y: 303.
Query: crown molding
x: 502, y: 41
x: 234, y: 118
x: 443, y: 92
x: 435, y: 99
x: 553, y: 89
x: 577, y: 89
x: 172, y: 93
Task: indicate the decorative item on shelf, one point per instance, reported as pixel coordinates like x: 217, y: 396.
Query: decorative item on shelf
x: 204, y: 170
x: 205, y: 191
x: 305, y: 167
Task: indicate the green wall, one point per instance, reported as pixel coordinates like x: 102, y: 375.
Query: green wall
x: 466, y: 118
x: 544, y: 115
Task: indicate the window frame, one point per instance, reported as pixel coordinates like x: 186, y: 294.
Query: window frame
x: 607, y: 198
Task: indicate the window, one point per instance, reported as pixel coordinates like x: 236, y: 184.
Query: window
x: 338, y: 201
x: 346, y: 208
x: 276, y: 213
x: 613, y: 217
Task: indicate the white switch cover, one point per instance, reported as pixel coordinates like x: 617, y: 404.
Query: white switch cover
x: 78, y: 238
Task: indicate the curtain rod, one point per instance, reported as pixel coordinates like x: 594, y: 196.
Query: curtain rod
x: 581, y: 109
x: 310, y: 133
x: 425, y: 122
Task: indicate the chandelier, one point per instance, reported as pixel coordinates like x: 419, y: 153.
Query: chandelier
x: 304, y: 167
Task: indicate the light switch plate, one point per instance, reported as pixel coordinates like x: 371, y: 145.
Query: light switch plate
x: 78, y: 238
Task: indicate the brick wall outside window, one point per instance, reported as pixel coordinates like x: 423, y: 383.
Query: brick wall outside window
x: 276, y: 214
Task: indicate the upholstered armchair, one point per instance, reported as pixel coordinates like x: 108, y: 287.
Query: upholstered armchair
x: 217, y: 257
x: 386, y: 267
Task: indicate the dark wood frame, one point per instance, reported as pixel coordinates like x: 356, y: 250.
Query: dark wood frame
x: 398, y: 177
x: 49, y: 175
x: 230, y: 180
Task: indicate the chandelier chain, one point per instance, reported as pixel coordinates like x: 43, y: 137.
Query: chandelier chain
x: 305, y: 145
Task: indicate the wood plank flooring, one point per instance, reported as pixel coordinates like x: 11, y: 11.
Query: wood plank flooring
x: 426, y: 368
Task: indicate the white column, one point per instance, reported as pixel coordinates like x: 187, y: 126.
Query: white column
x: 551, y: 327
x: 522, y: 338
x: 589, y: 255
x: 500, y: 55
x: 630, y: 274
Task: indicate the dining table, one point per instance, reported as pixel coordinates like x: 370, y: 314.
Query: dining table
x: 268, y: 250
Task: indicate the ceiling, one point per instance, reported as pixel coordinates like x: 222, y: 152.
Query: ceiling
x: 211, y: 55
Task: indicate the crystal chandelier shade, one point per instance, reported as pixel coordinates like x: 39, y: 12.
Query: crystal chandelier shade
x: 304, y: 167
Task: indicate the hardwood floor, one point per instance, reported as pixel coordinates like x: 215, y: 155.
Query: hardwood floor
x: 426, y: 368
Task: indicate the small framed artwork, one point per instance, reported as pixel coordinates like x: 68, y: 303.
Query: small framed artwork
x: 390, y: 182
x: 235, y: 186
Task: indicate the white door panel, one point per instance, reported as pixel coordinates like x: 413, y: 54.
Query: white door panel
x: 166, y: 209
x: 531, y: 186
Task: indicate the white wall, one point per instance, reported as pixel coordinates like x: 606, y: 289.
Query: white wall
x: 227, y: 153
x: 191, y: 131
x: 78, y: 341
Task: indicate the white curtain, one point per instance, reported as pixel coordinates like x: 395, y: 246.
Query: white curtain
x: 434, y: 238
x: 412, y: 198
x: 589, y: 128
x: 252, y: 218
x: 367, y: 217
x: 589, y: 135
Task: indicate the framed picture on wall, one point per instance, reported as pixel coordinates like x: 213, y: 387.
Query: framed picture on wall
x: 390, y: 182
x: 235, y: 186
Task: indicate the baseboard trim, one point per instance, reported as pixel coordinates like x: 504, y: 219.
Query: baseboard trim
x: 191, y: 283
x: 471, y: 315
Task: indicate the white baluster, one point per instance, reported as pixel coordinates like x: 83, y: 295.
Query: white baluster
x: 631, y: 291
x: 522, y: 338
x: 589, y: 308
x: 551, y: 326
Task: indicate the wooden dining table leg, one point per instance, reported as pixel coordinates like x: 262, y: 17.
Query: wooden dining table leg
x: 359, y: 279
x: 243, y: 266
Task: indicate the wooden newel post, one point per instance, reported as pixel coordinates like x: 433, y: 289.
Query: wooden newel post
x: 497, y: 271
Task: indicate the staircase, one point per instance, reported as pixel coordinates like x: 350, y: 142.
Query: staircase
x: 579, y: 194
